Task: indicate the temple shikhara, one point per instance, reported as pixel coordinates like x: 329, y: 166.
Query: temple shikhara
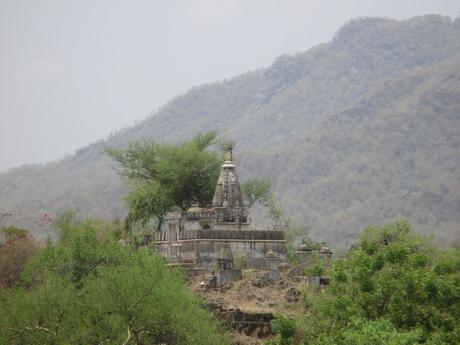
x: 207, y: 236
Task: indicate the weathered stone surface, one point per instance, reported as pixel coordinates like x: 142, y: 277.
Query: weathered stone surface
x: 261, y: 281
x: 225, y: 277
x: 292, y: 295
x: 252, y: 324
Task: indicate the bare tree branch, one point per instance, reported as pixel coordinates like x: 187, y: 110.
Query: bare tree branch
x: 144, y: 295
x: 129, y: 337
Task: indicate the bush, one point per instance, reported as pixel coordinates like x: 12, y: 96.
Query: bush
x: 285, y: 329
x: 393, y: 287
x: 89, y: 290
x: 379, y: 332
x: 241, y: 261
x: 316, y: 271
x: 16, y: 249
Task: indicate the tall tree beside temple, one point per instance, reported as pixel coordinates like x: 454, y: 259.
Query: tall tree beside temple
x: 164, y: 176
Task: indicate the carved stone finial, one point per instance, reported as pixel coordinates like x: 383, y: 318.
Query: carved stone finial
x: 228, y: 156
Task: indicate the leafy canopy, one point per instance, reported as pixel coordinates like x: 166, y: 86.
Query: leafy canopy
x: 89, y: 290
x: 257, y: 190
x: 164, y: 176
x: 393, y: 287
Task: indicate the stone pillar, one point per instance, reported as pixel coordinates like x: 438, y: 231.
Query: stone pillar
x: 272, y: 261
x: 325, y: 254
x: 176, y: 253
x: 225, y: 260
x: 226, y: 272
x: 304, y: 252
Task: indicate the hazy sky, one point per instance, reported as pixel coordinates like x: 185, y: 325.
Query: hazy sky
x: 73, y: 71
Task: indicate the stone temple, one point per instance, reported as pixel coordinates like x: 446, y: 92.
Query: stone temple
x: 197, y: 236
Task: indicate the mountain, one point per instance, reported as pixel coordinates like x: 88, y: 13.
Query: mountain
x: 362, y: 129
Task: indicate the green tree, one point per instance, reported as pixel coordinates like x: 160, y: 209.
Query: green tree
x: 256, y: 190
x: 285, y: 330
x: 393, y: 284
x: 89, y: 290
x: 164, y: 176
x: 64, y: 224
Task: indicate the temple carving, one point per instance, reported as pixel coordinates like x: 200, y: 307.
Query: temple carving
x: 227, y: 203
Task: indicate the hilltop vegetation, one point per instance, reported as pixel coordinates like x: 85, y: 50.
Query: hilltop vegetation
x: 362, y: 129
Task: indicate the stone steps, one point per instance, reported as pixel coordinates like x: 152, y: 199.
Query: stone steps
x: 209, y: 282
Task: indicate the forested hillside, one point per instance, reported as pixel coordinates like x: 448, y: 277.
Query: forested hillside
x: 362, y: 129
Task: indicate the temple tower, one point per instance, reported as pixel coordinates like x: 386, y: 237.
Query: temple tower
x: 228, y: 199
x: 206, y: 237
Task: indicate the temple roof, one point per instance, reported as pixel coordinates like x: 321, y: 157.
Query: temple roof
x: 228, y: 191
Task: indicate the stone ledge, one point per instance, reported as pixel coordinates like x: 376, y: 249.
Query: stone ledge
x: 233, y: 234
x: 224, y: 240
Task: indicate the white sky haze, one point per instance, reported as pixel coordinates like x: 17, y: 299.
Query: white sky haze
x: 71, y: 71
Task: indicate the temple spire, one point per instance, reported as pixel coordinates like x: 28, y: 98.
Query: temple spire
x: 228, y: 192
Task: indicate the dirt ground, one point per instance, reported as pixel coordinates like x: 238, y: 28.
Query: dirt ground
x: 255, y: 293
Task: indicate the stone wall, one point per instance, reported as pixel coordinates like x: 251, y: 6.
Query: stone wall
x: 233, y: 234
x: 227, y: 276
x: 202, y: 246
x: 204, y: 252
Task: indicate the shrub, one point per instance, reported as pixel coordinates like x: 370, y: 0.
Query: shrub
x: 285, y: 329
x: 393, y: 287
x: 16, y: 249
x: 241, y: 261
x: 89, y: 290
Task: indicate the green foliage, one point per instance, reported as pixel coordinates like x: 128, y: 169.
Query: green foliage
x: 378, y: 332
x: 256, y: 190
x: 12, y: 233
x: 285, y: 329
x: 88, y: 290
x: 276, y: 211
x: 392, y: 288
x: 314, y: 245
x: 64, y: 224
x: 148, y: 200
x: 292, y: 256
x: 241, y: 261
x: 295, y: 236
x: 316, y: 270
x: 164, y: 176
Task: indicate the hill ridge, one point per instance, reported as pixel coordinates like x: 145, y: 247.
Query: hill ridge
x: 289, y: 121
